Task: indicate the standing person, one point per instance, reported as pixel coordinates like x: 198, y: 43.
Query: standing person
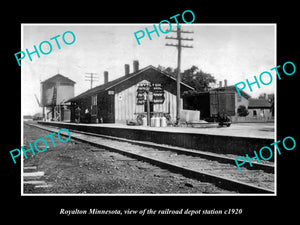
x: 77, y: 114
x: 87, y: 116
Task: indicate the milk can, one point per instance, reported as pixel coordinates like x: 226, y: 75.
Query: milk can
x: 163, y: 121
x: 157, y: 121
x: 144, y: 121
x: 152, y: 121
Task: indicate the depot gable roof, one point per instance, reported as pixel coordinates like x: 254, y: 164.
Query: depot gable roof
x: 120, y: 80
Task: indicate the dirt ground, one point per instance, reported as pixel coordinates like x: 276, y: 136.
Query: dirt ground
x: 77, y: 168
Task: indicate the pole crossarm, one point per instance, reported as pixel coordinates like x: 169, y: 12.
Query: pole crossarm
x: 167, y: 37
x: 184, y: 39
x: 182, y: 31
x: 171, y: 45
x: 91, y: 78
x: 187, y: 39
x: 182, y: 46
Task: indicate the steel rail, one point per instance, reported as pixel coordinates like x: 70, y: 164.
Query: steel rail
x: 224, y: 183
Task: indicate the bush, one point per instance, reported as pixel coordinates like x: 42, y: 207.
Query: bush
x: 242, y: 111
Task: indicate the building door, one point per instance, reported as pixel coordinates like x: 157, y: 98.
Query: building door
x: 110, y: 101
x: 106, y: 110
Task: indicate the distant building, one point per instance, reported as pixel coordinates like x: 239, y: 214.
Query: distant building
x: 27, y: 118
x: 37, y: 116
x: 259, y: 108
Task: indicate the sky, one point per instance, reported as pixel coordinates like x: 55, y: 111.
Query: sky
x: 235, y: 52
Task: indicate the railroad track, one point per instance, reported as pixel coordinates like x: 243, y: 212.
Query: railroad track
x: 203, y: 166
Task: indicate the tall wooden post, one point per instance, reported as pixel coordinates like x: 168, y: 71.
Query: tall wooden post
x: 178, y: 78
x: 148, y: 110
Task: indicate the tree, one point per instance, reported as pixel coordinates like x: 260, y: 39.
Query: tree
x: 242, y: 111
x: 193, y: 77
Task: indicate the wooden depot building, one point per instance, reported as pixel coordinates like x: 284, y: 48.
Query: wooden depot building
x: 125, y: 98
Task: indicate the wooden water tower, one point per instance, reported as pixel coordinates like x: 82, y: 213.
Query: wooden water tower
x: 55, y: 91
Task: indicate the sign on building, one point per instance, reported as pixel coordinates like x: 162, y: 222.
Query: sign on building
x: 155, y: 92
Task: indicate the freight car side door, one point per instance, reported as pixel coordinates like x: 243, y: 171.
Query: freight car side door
x: 229, y: 103
x: 222, y: 102
x: 214, y: 102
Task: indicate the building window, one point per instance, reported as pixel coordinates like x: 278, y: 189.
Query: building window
x: 94, y: 105
x: 254, y: 113
x: 94, y: 100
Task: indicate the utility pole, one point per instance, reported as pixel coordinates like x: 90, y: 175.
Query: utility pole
x: 91, y: 78
x: 178, y: 79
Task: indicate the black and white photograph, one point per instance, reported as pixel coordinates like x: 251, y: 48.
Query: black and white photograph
x: 159, y: 116
x: 150, y: 111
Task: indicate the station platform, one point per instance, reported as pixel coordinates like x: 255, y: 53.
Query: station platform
x: 239, y: 139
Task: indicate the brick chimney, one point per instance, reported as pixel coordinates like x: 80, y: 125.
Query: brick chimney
x: 105, y: 77
x: 127, y: 69
x: 220, y: 83
x: 135, y: 66
x: 225, y: 83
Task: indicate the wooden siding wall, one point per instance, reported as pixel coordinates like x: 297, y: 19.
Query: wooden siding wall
x: 127, y: 109
x: 64, y: 92
x: 222, y: 102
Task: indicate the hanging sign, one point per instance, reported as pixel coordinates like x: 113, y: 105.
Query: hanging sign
x: 156, y: 92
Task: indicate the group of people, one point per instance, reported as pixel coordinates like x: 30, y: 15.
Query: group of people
x: 86, y: 118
